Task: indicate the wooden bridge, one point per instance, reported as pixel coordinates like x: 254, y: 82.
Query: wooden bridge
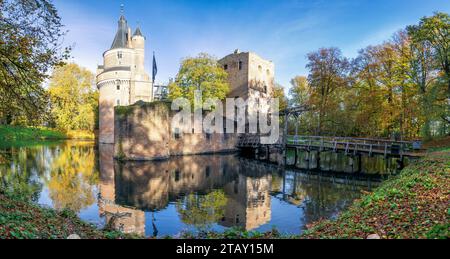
x: 354, y: 146
x: 348, y: 145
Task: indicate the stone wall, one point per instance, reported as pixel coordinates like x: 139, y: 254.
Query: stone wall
x: 143, y: 132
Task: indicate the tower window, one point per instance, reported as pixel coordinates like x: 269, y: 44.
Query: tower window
x: 240, y: 65
x: 176, y: 133
x: 177, y: 175
x: 119, y: 55
x: 118, y: 87
x: 225, y: 67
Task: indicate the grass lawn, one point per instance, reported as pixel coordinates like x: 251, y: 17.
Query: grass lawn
x: 16, y: 133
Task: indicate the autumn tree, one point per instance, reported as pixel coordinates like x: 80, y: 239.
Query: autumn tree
x: 74, y: 100
x: 278, y: 92
x: 299, y: 91
x: 200, y: 73
x: 430, y: 57
x: 397, y: 89
x: 328, y: 76
x: 30, y: 45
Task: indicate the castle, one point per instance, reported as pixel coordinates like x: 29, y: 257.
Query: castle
x: 143, y: 132
x: 122, y: 79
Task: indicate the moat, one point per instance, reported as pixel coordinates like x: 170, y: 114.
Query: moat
x: 189, y: 193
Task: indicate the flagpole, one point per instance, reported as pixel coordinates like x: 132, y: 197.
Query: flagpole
x: 154, y: 68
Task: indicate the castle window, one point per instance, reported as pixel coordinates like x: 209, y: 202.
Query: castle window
x: 118, y: 87
x: 118, y: 102
x: 268, y: 72
x: 225, y: 67
x: 176, y: 133
x: 260, y: 68
x: 208, y: 136
x: 265, y: 88
x: 240, y: 65
x: 119, y: 55
x: 177, y: 176
x: 208, y: 171
x: 225, y: 136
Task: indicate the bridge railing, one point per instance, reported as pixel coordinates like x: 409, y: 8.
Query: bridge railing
x: 353, y: 144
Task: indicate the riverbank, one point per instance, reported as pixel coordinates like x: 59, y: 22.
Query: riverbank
x: 18, y: 134
x: 414, y: 204
x: 411, y: 205
x: 20, y: 219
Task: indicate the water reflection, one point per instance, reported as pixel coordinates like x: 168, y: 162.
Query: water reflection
x: 205, y: 190
x: 184, y: 193
x: 340, y: 162
x: 65, y: 173
x: 213, y: 192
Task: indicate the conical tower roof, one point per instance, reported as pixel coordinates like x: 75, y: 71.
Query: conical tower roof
x: 121, y: 39
x: 138, y: 32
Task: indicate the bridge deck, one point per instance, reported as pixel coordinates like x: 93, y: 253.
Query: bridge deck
x: 351, y: 146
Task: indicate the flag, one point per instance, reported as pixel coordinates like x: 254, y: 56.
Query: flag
x: 155, y: 68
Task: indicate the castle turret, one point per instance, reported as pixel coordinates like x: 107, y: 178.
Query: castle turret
x: 122, y: 79
x: 138, y: 42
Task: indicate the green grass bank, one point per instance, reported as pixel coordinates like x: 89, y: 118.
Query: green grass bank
x: 20, y: 219
x: 15, y: 135
x: 412, y: 205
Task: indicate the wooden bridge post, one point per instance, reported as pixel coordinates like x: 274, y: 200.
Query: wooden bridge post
x: 318, y: 160
x: 286, y: 119
x: 359, y: 163
x: 296, y: 157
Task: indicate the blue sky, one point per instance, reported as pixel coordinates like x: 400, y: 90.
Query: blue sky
x: 283, y: 31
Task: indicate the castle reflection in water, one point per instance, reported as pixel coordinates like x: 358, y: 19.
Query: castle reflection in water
x: 224, y: 190
x: 129, y: 189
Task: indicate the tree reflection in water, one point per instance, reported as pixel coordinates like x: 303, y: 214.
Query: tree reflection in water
x: 166, y: 197
x: 73, y: 177
x: 67, y: 170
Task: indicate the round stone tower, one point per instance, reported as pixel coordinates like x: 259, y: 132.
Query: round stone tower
x: 122, y: 79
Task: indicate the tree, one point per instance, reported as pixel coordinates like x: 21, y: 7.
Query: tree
x: 278, y: 92
x: 328, y: 74
x: 300, y: 91
x: 74, y: 100
x: 431, y: 41
x: 200, y: 73
x: 435, y: 31
x: 30, y: 36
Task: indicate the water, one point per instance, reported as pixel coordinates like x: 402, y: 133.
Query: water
x: 181, y: 194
